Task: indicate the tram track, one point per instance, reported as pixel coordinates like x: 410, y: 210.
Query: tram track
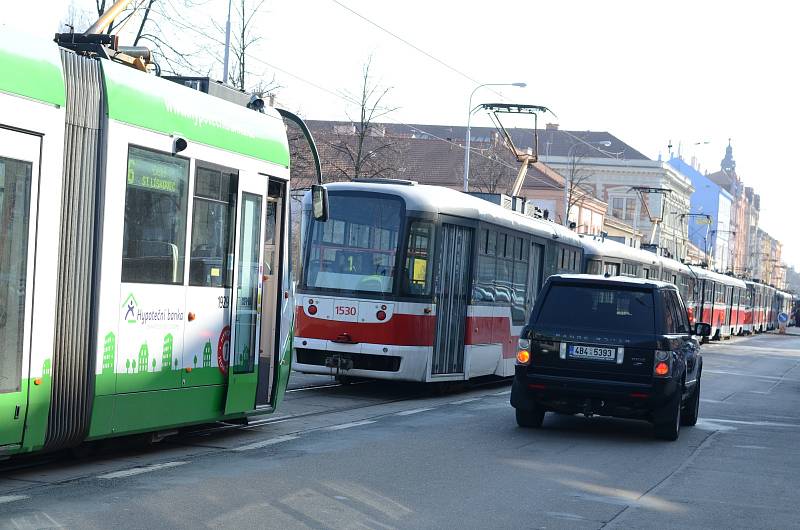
x: 90, y: 451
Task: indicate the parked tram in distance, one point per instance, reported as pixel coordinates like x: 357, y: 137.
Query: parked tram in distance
x: 144, y: 280
x: 422, y: 283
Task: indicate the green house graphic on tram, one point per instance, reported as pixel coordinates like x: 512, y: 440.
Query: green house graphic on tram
x: 207, y: 355
x: 166, y: 354
x: 109, y: 353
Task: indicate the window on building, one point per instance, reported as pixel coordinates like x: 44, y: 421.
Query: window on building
x: 630, y: 209
x: 154, y: 236
x: 617, y: 207
x: 210, y: 263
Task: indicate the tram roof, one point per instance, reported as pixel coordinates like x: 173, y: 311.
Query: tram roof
x: 31, y: 68
x: 167, y: 107
x: 614, y: 249
x: 436, y: 199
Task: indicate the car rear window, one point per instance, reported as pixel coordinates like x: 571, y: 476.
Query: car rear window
x: 598, y: 307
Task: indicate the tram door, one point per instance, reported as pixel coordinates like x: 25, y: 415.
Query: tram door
x: 269, y: 302
x: 535, y: 275
x: 19, y: 173
x: 246, y: 299
x: 451, y: 296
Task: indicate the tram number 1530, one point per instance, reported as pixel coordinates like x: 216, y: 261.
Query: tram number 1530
x: 346, y: 310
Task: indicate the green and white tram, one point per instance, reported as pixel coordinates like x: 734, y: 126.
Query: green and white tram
x: 144, y: 275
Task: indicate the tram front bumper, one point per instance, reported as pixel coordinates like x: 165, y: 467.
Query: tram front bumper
x: 372, y: 361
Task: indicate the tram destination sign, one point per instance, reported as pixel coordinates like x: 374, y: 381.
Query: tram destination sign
x: 156, y: 172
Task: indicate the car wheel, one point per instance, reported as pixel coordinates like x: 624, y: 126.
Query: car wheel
x: 692, y: 409
x: 668, y: 426
x: 531, y: 418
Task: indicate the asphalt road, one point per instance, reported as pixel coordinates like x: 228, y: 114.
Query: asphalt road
x: 394, y: 456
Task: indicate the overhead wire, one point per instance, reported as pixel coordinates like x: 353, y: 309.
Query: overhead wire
x: 353, y: 101
x: 412, y: 45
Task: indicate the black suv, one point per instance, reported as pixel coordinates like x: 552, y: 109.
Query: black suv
x: 609, y: 346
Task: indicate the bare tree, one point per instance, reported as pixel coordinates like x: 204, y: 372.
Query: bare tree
x: 75, y: 18
x: 576, y: 180
x: 363, y: 150
x: 244, y: 37
x: 492, y: 171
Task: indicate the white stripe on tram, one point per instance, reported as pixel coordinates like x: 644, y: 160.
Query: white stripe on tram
x: 140, y: 470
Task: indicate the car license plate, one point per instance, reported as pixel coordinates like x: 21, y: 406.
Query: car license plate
x: 593, y: 353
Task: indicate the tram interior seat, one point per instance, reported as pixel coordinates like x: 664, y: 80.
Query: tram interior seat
x: 151, y: 261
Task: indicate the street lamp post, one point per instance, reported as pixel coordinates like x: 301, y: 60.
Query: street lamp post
x: 469, y: 119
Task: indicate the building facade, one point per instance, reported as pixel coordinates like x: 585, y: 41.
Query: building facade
x: 708, y: 219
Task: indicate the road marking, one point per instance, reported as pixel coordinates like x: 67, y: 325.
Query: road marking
x: 755, y: 423
x: 349, y: 425
x: 503, y: 393
x: 412, y: 411
x: 140, y: 470
x: 463, y: 401
x: 266, y: 443
x: 739, y: 374
x: 12, y: 498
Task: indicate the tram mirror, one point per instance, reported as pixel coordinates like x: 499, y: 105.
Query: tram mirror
x: 319, y: 202
x: 702, y: 329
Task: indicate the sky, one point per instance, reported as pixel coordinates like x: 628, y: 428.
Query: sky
x: 651, y: 73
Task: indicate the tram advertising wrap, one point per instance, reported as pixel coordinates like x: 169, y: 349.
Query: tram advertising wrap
x: 143, y: 278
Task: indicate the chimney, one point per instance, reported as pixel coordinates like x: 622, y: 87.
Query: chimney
x: 552, y: 127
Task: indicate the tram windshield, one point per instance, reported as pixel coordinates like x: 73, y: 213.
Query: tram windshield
x: 356, y: 248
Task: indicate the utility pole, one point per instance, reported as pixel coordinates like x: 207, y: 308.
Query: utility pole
x: 226, y: 61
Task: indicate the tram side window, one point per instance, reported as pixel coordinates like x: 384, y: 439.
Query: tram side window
x: 154, y: 237
x: 418, y: 270
x: 15, y: 196
x: 519, y: 308
x: 212, y: 226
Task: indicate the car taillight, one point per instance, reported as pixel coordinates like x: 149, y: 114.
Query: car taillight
x: 381, y: 314
x: 523, y: 357
x: 312, y: 310
x: 663, y: 360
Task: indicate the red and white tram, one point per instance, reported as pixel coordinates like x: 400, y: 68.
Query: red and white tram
x: 420, y: 283
x: 710, y: 297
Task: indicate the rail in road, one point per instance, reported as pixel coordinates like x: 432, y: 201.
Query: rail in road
x: 734, y: 467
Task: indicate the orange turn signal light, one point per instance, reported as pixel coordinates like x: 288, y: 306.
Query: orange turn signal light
x: 37, y: 381
x: 662, y: 368
x: 523, y: 357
